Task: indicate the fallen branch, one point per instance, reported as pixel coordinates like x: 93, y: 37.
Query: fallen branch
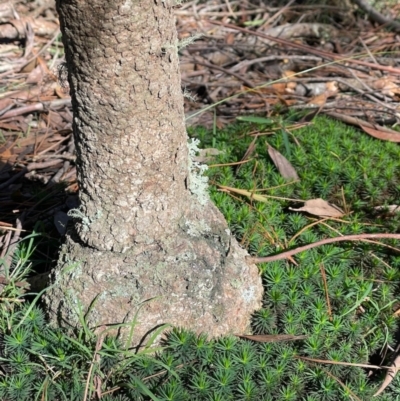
x: 376, y: 16
x: 309, y: 49
x: 286, y: 254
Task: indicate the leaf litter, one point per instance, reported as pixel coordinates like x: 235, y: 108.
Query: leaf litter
x: 321, y: 208
x: 247, y: 72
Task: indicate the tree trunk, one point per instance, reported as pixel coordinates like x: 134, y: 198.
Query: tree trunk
x: 144, y: 229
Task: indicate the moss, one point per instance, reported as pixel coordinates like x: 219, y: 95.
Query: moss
x: 362, y: 285
x: 334, y: 162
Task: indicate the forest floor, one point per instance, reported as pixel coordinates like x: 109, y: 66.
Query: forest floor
x: 248, y: 60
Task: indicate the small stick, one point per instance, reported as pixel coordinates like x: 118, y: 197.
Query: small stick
x: 332, y: 56
x: 325, y: 241
x: 328, y: 303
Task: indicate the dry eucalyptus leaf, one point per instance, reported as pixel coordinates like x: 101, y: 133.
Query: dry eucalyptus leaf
x: 382, y: 133
x: 319, y: 100
x: 321, y: 208
x: 390, y: 375
x: 286, y: 170
x: 272, y: 338
x: 386, y: 86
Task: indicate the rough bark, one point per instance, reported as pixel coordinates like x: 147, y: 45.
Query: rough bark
x: 140, y: 232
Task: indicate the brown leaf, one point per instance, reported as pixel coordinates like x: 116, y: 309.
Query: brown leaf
x: 278, y: 88
x: 321, y: 208
x: 386, y: 86
x: 269, y: 338
x: 374, y: 130
x: 5, y: 153
x: 319, y: 100
x: 230, y: 38
x: 396, y: 313
x: 390, y: 375
x: 392, y: 136
x: 282, y: 164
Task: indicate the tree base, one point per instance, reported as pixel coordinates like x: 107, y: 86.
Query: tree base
x: 198, y: 279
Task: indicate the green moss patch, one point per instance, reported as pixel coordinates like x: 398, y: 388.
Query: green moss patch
x: 333, y: 303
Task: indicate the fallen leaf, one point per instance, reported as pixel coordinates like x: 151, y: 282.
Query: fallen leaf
x: 289, y: 74
x: 319, y: 100
x: 380, y: 134
x: 283, y: 87
x: 278, y: 88
x: 332, y: 88
x: 390, y: 375
x: 386, y: 86
x: 269, y: 338
x: 230, y: 38
x: 374, y: 130
x: 5, y: 155
x: 396, y: 313
x: 282, y: 164
x: 321, y: 208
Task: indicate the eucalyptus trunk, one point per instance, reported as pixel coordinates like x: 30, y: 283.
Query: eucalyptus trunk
x: 146, y: 240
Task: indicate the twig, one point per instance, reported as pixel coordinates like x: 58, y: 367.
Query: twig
x: 356, y: 365
x: 28, y: 168
x: 357, y: 122
x: 225, y: 71
x: 275, y: 57
x: 311, y: 50
x: 25, y: 62
x: 342, y: 384
x: 328, y: 303
x: 376, y: 16
x: 286, y: 254
x: 54, y: 104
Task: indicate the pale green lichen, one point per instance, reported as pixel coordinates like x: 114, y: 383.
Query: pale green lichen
x: 86, y: 221
x: 196, y: 229
x: 70, y: 268
x: 181, y: 44
x: 235, y: 283
x: 249, y: 294
x: 188, y: 95
x: 188, y: 41
x: 198, y: 183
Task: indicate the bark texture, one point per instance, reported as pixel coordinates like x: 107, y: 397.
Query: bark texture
x: 140, y: 233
